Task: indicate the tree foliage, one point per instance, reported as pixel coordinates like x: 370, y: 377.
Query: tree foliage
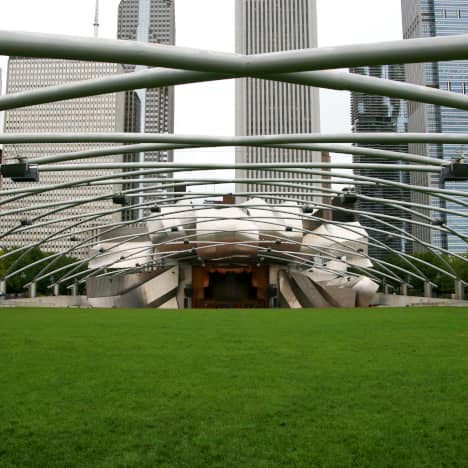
x: 427, y: 263
x: 17, y: 283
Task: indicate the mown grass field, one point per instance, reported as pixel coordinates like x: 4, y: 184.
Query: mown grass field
x: 143, y: 388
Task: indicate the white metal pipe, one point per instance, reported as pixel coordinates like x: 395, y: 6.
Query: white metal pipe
x: 443, y: 271
x: 219, y: 166
x: 154, y: 78
x: 140, y: 148
x: 442, y: 48
x: 254, y: 140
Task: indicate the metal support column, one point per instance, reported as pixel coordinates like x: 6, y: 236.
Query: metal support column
x: 459, y: 290
x: 32, y: 289
x: 427, y: 289
x: 404, y: 289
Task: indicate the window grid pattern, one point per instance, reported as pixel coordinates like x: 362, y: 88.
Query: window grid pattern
x: 90, y: 114
x: 157, y: 104
x: 428, y: 18
x: 371, y: 113
x: 264, y: 107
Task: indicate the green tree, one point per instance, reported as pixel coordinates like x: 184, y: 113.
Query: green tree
x: 461, y: 267
x: 16, y: 284
x: 445, y: 283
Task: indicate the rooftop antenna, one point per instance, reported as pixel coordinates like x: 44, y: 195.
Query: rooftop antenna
x: 96, y: 21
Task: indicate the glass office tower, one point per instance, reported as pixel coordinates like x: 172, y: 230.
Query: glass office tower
x: 427, y: 18
x: 371, y: 113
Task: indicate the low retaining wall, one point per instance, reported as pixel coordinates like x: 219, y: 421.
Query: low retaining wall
x: 383, y: 300
x: 47, y: 301
x: 393, y: 300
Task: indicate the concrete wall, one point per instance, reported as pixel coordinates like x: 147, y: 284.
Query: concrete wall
x: 117, y: 285
x: 154, y: 292
x: 48, y: 301
x: 392, y: 300
x: 82, y: 301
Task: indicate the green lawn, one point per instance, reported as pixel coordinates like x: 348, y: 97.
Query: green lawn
x: 142, y: 388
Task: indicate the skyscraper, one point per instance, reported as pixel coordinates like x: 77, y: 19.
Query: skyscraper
x: 427, y: 18
x: 1, y: 122
x: 90, y: 114
x: 267, y: 107
x: 371, y: 113
x: 151, y: 21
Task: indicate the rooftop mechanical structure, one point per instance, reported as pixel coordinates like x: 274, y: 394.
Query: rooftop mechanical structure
x: 183, y: 253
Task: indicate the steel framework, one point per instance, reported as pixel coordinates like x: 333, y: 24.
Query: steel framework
x: 180, y: 66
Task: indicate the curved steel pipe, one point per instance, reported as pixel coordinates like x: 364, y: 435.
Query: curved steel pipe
x: 254, y: 140
x: 443, y: 271
x: 442, y: 48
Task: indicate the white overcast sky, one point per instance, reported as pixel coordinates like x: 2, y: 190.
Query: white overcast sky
x: 209, y: 24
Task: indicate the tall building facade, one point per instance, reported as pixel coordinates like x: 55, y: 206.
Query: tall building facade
x: 370, y: 113
x: 103, y: 113
x: 151, y: 21
x: 1, y: 122
x: 428, y: 18
x: 267, y: 107
x: 132, y: 124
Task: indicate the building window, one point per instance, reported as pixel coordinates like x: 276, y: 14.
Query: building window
x: 449, y: 86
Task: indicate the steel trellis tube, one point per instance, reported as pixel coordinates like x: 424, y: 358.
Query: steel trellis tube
x: 262, y: 140
x: 442, y: 48
x: 162, y: 78
x: 190, y: 65
x: 57, y: 255
x: 355, y: 150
